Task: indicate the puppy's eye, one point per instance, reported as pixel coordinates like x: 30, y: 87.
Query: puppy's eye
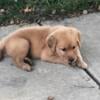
x: 73, y: 47
x: 64, y: 49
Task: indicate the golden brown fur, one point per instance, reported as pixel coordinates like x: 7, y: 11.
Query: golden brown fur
x: 57, y: 44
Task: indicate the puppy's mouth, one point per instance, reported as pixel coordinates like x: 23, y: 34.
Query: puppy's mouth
x: 73, y: 63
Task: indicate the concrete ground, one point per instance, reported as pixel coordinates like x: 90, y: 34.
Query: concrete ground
x: 62, y: 82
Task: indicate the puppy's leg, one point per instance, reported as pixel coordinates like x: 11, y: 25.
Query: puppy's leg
x: 80, y: 62
x: 53, y: 59
x: 18, y: 49
x: 28, y: 60
x: 19, y: 61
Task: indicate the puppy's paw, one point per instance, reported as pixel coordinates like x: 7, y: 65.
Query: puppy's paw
x: 82, y: 65
x: 27, y: 67
x: 28, y: 61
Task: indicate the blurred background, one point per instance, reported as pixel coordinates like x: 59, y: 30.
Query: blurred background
x: 29, y: 11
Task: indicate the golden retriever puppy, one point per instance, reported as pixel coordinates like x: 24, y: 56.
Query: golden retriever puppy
x: 55, y: 44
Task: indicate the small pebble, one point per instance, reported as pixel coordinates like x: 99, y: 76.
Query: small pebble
x: 50, y: 98
x: 11, y: 22
x: 17, y: 21
x: 54, y: 11
x: 16, y: 0
x: 2, y: 10
x: 27, y: 10
x: 99, y: 7
x: 85, y: 12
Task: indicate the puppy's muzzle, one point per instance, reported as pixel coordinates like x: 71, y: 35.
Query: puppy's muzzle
x: 71, y: 60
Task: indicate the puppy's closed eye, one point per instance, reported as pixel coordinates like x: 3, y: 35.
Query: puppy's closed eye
x: 64, y: 49
x: 73, y: 47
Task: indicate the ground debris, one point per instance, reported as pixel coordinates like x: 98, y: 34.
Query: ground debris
x: 50, y: 98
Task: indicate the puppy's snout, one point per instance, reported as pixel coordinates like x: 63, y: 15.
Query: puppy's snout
x: 71, y: 60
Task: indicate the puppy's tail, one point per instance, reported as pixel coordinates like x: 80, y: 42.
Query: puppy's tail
x: 1, y: 50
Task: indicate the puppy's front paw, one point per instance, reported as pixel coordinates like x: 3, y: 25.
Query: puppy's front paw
x: 82, y: 65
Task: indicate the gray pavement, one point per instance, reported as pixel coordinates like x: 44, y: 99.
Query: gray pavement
x: 62, y: 82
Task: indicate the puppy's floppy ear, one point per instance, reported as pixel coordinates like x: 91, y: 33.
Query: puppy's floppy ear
x: 52, y: 42
x: 78, y: 39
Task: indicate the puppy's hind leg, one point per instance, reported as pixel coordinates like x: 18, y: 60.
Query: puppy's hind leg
x: 21, y: 64
x: 18, y: 51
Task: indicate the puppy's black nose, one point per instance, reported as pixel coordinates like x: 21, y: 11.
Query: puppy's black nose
x: 71, y: 59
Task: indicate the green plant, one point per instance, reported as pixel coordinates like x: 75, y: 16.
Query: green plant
x: 14, y: 9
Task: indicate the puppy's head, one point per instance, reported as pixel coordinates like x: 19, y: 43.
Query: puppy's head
x: 64, y: 42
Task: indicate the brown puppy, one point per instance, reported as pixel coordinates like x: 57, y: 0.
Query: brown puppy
x: 57, y: 44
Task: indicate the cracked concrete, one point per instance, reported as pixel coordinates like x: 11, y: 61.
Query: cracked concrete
x: 62, y: 82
